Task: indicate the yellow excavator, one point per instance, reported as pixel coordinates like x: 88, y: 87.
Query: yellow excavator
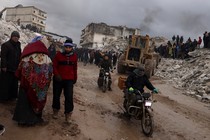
x: 138, y: 53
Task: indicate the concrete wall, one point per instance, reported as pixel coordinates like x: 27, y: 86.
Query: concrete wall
x: 100, y: 40
x: 27, y: 15
x: 117, y: 32
x: 19, y: 11
x: 98, y: 35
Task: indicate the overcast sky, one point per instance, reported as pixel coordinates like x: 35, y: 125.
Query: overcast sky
x: 189, y: 18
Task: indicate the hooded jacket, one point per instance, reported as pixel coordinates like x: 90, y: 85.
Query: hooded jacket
x: 138, y: 82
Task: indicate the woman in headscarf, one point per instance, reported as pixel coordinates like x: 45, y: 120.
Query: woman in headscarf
x: 34, y: 72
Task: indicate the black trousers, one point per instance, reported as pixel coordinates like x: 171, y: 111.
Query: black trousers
x: 67, y: 87
x: 8, y: 86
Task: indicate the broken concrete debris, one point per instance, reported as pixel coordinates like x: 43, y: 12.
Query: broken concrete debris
x: 192, y: 75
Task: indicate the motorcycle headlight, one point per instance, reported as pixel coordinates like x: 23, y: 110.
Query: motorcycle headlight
x: 107, y: 74
x: 148, y: 103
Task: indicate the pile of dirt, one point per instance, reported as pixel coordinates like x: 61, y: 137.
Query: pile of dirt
x: 192, y: 74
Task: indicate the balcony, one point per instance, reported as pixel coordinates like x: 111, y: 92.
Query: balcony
x: 39, y: 23
x: 44, y: 17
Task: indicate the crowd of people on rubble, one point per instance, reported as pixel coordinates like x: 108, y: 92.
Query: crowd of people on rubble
x: 177, y: 48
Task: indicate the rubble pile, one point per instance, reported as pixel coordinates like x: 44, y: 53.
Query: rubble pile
x: 120, y: 44
x: 6, y: 29
x: 157, y: 41
x: 116, y: 45
x: 192, y: 75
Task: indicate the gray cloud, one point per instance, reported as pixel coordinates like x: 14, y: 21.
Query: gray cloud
x: 192, y: 22
x: 162, y: 17
x: 149, y: 19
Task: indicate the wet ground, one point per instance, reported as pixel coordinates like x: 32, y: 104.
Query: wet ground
x: 98, y: 115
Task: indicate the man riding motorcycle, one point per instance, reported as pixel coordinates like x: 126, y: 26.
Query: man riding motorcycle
x: 137, y: 80
x: 106, y: 65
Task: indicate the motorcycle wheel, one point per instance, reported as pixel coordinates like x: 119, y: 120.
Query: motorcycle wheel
x: 125, y: 103
x: 126, y: 114
x: 104, y: 87
x: 147, y: 123
x: 2, y: 129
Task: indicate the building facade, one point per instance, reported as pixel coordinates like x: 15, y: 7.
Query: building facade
x: 27, y: 16
x: 97, y: 35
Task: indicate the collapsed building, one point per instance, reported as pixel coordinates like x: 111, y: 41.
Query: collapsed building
x: 6, y: 29
x: 191, y: 75
x: 101, y: 35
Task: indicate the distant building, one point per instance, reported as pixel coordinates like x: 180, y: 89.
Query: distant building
x: 27, y: 16
x: 96, y: 35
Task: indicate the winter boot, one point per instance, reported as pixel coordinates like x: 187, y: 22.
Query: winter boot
x: 109, y: 88
x: 55, y: 113
x: 68, y: 118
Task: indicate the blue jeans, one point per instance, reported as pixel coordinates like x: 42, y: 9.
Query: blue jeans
x: 67, y: 87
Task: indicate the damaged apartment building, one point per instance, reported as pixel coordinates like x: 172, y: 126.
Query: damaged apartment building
x: 99, y: 35
x: 25, y: 16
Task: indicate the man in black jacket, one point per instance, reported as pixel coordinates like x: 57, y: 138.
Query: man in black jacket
x: 106, y: 64
x: 10, y: 58
x: 138, y: 80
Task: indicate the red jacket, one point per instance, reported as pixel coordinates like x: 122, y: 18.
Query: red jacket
x: 65, y: 66
x: 199, y: 41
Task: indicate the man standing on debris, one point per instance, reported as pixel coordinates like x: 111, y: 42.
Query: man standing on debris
x: 204, y: 40
x: 177, y: 40
x: 65, y: 76
x: 208, y: 40
x: 10, y: 58
x: 199, y: 42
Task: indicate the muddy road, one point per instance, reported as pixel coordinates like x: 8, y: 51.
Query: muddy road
x: 98, y: 115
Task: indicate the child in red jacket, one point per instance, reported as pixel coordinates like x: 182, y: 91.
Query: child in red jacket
x: 65, y: 76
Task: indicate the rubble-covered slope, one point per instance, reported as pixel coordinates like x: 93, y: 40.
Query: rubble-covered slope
x: 6, y: 29
x: 192, y: 74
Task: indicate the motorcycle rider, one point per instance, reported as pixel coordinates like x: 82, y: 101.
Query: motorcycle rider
x: 137, y: 80
x: 106, y: 64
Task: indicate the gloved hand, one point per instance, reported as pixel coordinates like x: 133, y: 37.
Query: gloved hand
x: 58, y: 78
x: 155, y: 91
x: 131, y: 89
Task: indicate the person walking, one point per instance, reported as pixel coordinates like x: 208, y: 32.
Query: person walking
x: 65, y: 76
x: 10, y: 59
x: 34, y: 72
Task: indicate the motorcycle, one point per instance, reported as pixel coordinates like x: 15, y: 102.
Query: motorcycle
x: 139, y: 106
x: 2, y: 129
x: 103, y: 79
